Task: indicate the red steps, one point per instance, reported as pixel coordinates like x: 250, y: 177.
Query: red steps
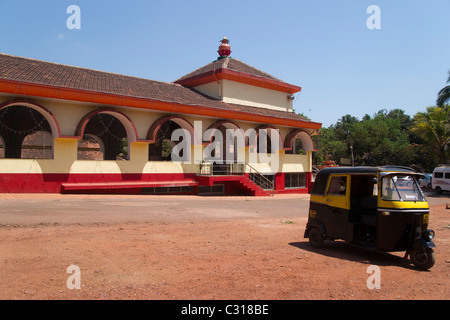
x: 242, y: 180
x: 122, y: 186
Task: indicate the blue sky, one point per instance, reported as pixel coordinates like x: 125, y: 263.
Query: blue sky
x: 324, y: 46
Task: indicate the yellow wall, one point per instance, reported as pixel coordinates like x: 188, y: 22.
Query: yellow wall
x: 241, y: 93
x: 68, y: 114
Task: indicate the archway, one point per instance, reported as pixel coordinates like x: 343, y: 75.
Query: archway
x: 160, y: 137
x: 228, y: 138
x: 265, y: 142
x: 114, y: 130
x: 161, y: 149
x: 21, y: 119
x: 294, y: 139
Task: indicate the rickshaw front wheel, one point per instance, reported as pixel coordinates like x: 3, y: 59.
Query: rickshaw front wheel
x: 315, y: 238
x: 422, y: 257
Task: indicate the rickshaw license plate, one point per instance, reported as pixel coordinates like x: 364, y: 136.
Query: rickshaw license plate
x: 426, y: 217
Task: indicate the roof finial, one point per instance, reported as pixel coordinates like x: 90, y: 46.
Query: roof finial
x: 224, y: 48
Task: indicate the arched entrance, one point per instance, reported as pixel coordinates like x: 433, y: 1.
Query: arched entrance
x: 224, y: 139
x: 268, y: 140
x: 160, y: 137
x: 298, y: 141
x: 107, y: 131
x: 27, y: 130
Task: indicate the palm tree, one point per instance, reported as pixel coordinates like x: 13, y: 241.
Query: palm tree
x: 444, y: 94
x: 433, y: 127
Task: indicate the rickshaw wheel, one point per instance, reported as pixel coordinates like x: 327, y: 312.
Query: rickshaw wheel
x: 315, y: 238
x: 422, y: 257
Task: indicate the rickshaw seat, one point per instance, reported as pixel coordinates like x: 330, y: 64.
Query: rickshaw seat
x: 369, y: 203
x: 363, y: 206
x: 369, y: 219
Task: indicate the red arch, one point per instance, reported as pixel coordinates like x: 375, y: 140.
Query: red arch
x: 308, y: 144
x: 227, y: 124
x: 51, y: 119
x: 255, y: 142
x: 130, y: 129
x: 183, y: 123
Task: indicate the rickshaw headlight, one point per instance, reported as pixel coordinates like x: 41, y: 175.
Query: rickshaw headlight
x: 430, y: 234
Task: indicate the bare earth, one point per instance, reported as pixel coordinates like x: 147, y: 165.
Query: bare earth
x: 166, y: 248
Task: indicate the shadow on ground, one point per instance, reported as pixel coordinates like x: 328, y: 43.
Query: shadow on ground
x: 344, y: 251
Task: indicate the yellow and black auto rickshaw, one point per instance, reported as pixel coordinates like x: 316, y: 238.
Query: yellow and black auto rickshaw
x: 381, y: 208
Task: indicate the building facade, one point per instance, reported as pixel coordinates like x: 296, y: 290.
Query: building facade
x: 224, y: 128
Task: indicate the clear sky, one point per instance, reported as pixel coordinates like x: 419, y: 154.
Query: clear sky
x: 323, y: 46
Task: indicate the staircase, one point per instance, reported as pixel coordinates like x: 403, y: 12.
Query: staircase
x: 244, y: 174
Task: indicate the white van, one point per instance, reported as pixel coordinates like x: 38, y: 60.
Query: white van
x: 441, y: 179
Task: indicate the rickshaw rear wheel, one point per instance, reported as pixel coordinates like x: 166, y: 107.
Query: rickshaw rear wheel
x: 423, y: 258
x: 315, y: 238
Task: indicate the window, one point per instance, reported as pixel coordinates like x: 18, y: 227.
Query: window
x: 401, y: 188
x: 295, y: 180
x: 338, y: 186
x: 297, y: 147
x: 37, y: 145
x: 439, y: 175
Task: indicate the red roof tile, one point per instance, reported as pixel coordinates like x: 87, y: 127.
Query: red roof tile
x: 229, y: 64
x: 30, y: 71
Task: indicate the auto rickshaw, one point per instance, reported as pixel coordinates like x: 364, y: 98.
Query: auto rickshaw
x: 380, y: 208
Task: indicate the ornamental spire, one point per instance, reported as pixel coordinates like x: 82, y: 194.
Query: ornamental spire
x: 224, y: 49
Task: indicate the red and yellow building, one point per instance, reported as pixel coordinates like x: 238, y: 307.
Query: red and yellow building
x: 74, y: 130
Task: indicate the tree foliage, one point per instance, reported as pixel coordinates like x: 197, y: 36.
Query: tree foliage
x: 390, y: 138
x: 386, y: 138
x: 433, y: 127
x: 444, y: 94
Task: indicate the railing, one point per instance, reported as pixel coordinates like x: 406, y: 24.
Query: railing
x: 208, y: 168
x: 259, y: 178
x: 223, y: 169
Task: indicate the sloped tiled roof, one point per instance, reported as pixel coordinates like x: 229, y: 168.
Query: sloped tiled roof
x: 36, y: 72
x: 230, y: 64
x: 59, y: 75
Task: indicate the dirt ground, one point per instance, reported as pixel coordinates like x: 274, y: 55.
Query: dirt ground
x: 233, y: 258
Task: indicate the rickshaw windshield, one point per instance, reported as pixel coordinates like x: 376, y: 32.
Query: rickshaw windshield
x: 401, y: 188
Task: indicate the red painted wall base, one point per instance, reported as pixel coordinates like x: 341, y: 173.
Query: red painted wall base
x: 131, y: 183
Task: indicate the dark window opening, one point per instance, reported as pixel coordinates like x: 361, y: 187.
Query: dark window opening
x: 295, y: 180
x: 25, y: 133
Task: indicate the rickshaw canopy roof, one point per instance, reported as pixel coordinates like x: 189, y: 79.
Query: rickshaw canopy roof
x: 322, y: 176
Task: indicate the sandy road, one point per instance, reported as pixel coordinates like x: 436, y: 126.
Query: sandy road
x: 194, y: 248
x: 87, y: 209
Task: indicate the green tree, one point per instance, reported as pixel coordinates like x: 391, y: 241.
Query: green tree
x: 381, y: 140
x: 334, y: 142
x: 433, y: 127
x: 444, y: 94
x: 378, y: 140
x: 166, y: 149
x: 122, y: 149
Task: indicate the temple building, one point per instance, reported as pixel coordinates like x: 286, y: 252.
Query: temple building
x: 225, y: 128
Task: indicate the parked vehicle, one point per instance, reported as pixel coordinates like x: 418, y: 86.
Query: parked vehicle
x: 425, y: 180
x: 380, y: 208
x: 441, y: 179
